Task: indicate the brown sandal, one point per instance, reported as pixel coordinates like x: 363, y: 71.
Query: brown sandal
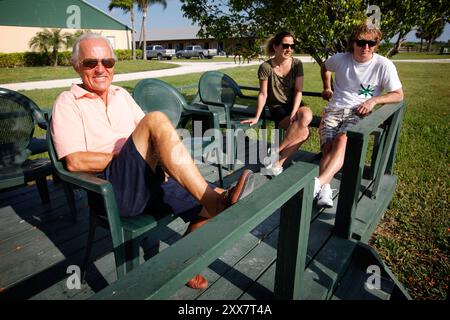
x: 197, y: 282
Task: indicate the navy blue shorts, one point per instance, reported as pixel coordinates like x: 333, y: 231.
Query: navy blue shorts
x: 279, y: 112
x: 140, y: 190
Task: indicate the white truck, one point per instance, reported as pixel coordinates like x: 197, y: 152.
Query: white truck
x: 159, y: 53
x: 196, y: 51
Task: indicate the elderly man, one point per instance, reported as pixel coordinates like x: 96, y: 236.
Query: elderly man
x: 97, y: 127
x: 363, y: 79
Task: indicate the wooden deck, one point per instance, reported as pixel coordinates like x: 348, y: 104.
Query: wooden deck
x: 39, y: 241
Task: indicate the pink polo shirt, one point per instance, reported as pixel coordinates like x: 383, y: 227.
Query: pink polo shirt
x: 82, y: 122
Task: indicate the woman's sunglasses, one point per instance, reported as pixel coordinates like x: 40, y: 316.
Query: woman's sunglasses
x: 92, y: 63
x: 287, y: 45
x: 362, y: 43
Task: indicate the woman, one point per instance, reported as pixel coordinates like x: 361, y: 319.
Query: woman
x: 281, y: 85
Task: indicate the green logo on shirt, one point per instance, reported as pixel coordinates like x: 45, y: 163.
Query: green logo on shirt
x: 366, y: 91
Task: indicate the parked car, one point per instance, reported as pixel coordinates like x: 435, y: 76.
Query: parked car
x: 196, y: 51
x: 159, y: 52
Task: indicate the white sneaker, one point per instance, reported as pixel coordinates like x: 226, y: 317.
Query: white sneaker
x: 317, y: 187
x: 272, y: 157
x: 325, y: 196
x: 275, y: 171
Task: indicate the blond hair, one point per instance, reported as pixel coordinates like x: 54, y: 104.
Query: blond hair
x: 362, y: 29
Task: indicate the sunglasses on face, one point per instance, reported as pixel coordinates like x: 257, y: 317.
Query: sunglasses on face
x: 362, y: 43
x: 92, y: 63
x: 288, y: 45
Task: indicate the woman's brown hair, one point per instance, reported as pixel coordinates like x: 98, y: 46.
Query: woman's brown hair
x: 276, y: 40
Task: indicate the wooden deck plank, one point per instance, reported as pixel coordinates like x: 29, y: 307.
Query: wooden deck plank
x: 234, y: 275
x: 232, y: 256
x: 244, y: 273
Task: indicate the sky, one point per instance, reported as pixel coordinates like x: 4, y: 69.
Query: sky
x: 172, y: 17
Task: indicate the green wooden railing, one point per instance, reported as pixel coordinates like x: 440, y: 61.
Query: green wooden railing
x: 387, y: 118
x: 174, y: 266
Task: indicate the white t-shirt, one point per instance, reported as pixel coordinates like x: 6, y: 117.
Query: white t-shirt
x: 356, y: 82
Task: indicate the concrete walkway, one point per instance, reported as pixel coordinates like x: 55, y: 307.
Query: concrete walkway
x: 185, y: 68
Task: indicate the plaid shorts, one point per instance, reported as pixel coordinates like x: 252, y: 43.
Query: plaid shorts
x: 335, y: 121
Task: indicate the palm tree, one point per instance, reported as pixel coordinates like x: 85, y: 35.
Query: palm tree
x: 71, y: 40
x: 142, y: 5
x: 126, y: 6
x: 50, y: 40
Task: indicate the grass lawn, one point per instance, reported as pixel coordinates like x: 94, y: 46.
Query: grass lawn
x: 24, y: 74
x: 420, y: 55
x: 413, y: 238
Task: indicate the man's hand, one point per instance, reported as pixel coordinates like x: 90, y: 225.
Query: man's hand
x: 365, y: 108
x: 251, y: 121
x: 327, y: 94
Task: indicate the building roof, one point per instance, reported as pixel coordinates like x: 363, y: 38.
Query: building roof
x: 183, y: 33
x: 71, y: 14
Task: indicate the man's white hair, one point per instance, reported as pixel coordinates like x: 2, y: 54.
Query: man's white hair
x: 76, y: 47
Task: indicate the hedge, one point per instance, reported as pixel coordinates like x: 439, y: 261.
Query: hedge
x: 37, y: 59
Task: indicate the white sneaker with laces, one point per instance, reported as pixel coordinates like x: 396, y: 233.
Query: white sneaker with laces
x: 317, y: 187
x: 272, y: 157
x: 325, y: 196
x: 275, y: 171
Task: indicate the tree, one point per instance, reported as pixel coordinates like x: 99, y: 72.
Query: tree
x: 50, y: 40
x: 126, y: 6
x: 320, y: 26
x: 73, y: 37
x: 143, y: 5
x: 432, y: 24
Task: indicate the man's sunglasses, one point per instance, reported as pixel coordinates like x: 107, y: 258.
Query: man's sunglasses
x: 362, y: 43
x: 287, y: 45
x: 92, y: 63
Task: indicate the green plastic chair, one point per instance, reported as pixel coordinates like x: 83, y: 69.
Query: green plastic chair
x: 219, y: 92
x: 156, y: 95
x: 18, y: 117
x: 126, y: 232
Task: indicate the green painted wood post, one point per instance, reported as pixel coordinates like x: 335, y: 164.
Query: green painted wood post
x: 379, y: 138
x: 393, y: 125
x: 295, y: 222
x: 392, y: 156
x: 352, y: 171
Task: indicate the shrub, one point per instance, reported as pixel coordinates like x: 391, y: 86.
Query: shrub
x: 127, y: 54
x: 64, y: 58
x: 35, y: 59
x: 10, y: 60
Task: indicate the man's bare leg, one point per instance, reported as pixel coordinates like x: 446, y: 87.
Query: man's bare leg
x: 332, y: 159
x: 157, y: 141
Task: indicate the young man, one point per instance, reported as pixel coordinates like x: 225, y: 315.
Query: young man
x: 98, y: 127
x: 361, y: 77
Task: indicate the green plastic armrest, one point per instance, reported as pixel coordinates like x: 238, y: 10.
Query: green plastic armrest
x: 213, y: 116
x: 87, y: 181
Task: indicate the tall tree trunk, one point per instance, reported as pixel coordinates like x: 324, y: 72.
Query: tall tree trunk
x: 144, y: 18
x: 421, y: 44
x: 133, y: 44
x: 394, y: 50
x: 429, y: 44
x: 55, y: 58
